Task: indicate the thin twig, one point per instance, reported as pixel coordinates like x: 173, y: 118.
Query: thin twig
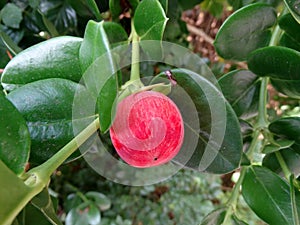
x: 200, y: 32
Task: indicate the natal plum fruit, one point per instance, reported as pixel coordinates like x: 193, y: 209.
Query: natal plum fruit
x: 148, y: 129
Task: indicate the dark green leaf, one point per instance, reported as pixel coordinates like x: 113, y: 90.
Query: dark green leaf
x: 288, y: 127
x: 273, y: 203
x: 216, y: 217
x: 150, y: 26
x: 34, y: 3
x: 244, y: 31
x: 115, y: 32
x: 44, y: 60
x: 44, y: 204
x: 290, y: 26
x: 4, y: 59
x: 33, y: 216
x: 225, y: 150
x: 291, y: 158
x: 60, y: 13
x: 188, y: 4
x: 100, y: 76
x: 47, y: 105
x: 14, y: 136
x: 288, y: 41
x: 281, y: 64
x: 84, y: 214
x: 100, y: 200
x: 49, y: 25
x: 94, y: 8
x: 293, y: 192
x: 11, y: 15
x: 241, y: 89
x: 294, y: 8
x: 10, y: 44
x: 115, y: 9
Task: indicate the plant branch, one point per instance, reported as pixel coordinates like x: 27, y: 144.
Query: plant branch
x: 44, y: 171
x: 232, y: 201
x: 262, y: 105
x: 286, y: 171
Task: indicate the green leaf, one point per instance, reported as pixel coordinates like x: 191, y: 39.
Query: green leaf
x: 100, y: 200
x: 216, y: 217
x: 288, y: 41
x: 46, y: 106
x: 60, y: 13
x: 100, y: 74
x: 281, y: 64
x: 294, y: 8
x: 49, y: 25
x: 115, y: 9
x: 44, y: 204
x: 14, y: 194
x: 115, y: 32
x: 280, y: 144
x: 268, y: 195
x: 244, y: 31
x: 9, y: 43
x: 14, y: 136
x: 288, y: 127
x: 54, y: 58
x: 94, y: 8
x: 241, y: 89
x: 150, y: 26
x: 291, y: 158
x: 72, y: 201
x: 225, y: 150
x: 11, y: 15
x: 84, y: 214
x: 290, y: 26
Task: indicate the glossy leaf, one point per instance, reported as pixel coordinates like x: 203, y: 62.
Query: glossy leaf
x: 273, y: 203
x: 72, y: 201
x: 46, y: 105
x: 60, y: 13
x: 150, y: 26
x: 100, y: 75
x: 44, y: 60
x: 84, y: 214
x: 291, y: 158
x: 11, y: 15
x: 294, y: 8
x: 244, y: 31
x: 14, y: 137
x: 281, y: 64
x: 287, y: 41
x: 227, y: 154
x: 288, y: 127
x: 241, y: 89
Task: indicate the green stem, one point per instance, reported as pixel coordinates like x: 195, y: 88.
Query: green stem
x: 286, y: 171
x: 232, y: 201
x: 135, y: 54
x: 79, y: 193
x: 43, y: 172
x: 262, y: 105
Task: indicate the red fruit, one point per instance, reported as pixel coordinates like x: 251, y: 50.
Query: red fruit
x: 148, y: 129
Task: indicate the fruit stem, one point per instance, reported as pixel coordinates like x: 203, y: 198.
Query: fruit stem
x: 44, y: 171
x: 135, y: 55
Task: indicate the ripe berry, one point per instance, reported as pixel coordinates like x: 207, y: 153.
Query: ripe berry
x: 148, y: 129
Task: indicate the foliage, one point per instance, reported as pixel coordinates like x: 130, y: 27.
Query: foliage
x: 41, y: 84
